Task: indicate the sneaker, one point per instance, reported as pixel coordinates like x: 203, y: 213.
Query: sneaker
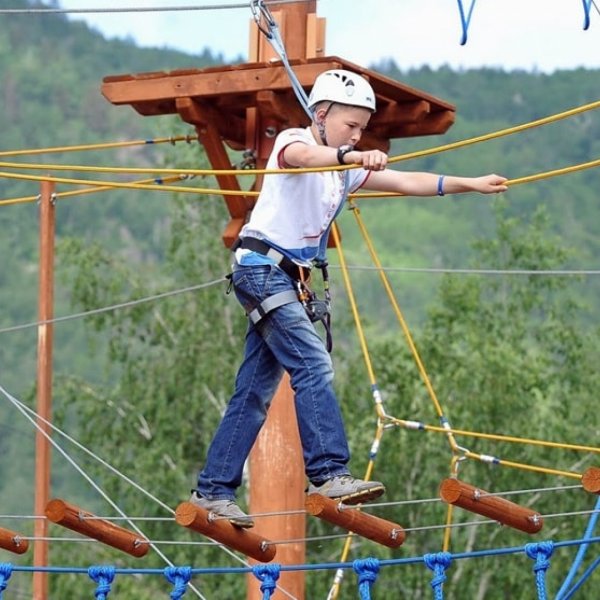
x: 348, y: 489
x: 223, y: 508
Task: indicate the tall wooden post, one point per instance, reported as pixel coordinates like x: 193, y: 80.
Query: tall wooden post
x: 277, y: 479
x: 44, y: 384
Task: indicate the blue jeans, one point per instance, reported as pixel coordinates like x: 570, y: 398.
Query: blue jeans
x: 284, y: 339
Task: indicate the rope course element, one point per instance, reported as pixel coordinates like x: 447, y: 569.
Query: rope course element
x: 367, y: 570
x: 6, y: 570
x: 438, y: 563
x: 465, y: 20
x: 103, y: 576
x: 541, y: 553
x: 104, y: 146
x: 134, y: 9
x: 267, y: 25
x: 180, y: 578
x: 587, y: 7
x: 268, y: 576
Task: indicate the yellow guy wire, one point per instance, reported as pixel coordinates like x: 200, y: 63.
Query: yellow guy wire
x: 333, y: 594
x: 102, y: 146
x: 401, y: 320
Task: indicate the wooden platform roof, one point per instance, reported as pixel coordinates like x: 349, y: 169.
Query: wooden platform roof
x: 224, y: 94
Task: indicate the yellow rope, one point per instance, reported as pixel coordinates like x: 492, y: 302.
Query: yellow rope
x: 93, y: 190
x: 497, y: 437
x: 131, y: 186
x: 394, y: 159
x: 103, y: 146
x: 500, y: 133
x: 398, y: 312
x: 167, y: 188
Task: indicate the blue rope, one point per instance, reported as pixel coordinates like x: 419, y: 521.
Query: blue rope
x: 466, y: 21
x: 103, y: 576
x: 587, y: 6
x: 438, y: 563
x: 179, y: 577
x: 581, y: 580
x: 541, y: 553
x: 268, y: 576
x: 367, y: 571
x: 589, y: 532
x: 6, y: 570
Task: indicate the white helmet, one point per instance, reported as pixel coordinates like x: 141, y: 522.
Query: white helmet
x: 343, y: 87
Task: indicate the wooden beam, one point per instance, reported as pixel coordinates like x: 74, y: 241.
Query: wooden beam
x: 281, y: 107
x: 483, y: 503
x: 13, y: 541
x: 200, y: 520
x: 368, y: 526
x: 211, y: 84
x: 394, y: 113
x: 208, y: 134
x: 74, y: 518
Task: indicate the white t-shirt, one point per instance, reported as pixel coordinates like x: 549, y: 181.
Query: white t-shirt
x: 294, y: 210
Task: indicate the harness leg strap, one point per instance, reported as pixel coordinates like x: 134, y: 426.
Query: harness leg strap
x: 271, y: 303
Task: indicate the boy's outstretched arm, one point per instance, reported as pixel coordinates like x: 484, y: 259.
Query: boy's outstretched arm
x: 429, y: 184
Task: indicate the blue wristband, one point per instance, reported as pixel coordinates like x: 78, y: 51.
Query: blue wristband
x: 441, y: 185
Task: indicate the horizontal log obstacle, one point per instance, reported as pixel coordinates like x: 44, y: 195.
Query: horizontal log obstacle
x: 483, y: 503
x: 591, y: 480
x: 74, y: 518
x: 373, y: 528
x: 221, y: 530
x: 13, y: 541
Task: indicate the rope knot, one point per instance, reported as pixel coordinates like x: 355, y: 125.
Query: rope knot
x: 6, y: 570
x: 268, y: 576
x: 103, y: 576
x: 179, y: 577
x: 367, y: 571
x: 438, y: 563
x: 541, y: 553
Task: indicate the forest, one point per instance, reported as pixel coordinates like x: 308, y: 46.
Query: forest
x: 499, y: 296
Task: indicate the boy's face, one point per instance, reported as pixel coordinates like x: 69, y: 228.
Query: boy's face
x: 345, y: 124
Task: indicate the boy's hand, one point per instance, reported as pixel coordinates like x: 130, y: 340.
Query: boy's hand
x: 372, y: 160
x: 490, y: 184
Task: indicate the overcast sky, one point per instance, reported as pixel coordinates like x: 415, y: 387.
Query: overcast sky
x: 544, y: 35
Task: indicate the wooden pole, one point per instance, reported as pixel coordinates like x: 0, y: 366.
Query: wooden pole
x: 244, y: 540
x: 277, y: 479
x: 44, y: 384
x: 13, y: 541
x: 368, y: 526
x: 483, y: 503
x: 591, y: 480
x: 74, y: 518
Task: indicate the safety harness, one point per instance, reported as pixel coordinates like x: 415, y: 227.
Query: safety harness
x: 316, y: 309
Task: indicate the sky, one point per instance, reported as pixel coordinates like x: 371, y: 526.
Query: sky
x: 532, y: 35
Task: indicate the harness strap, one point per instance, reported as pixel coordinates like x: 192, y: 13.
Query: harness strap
x: 280, y: 259
x: 271, y: 303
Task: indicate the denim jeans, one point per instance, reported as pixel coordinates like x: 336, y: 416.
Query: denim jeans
x: 284, y: 339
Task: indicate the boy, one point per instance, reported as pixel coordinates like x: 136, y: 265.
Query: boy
x: 286, y: 232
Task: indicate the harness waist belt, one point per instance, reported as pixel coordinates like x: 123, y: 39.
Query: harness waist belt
x: 256, y: 245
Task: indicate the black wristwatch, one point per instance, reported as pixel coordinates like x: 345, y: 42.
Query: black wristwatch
x: 342, y: 151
